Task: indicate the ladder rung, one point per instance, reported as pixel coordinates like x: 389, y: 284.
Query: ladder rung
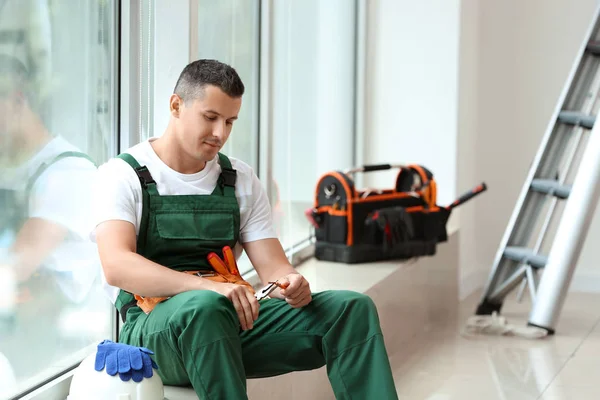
x: 526, y: 256
x: 577, y: 118
x: 551, y: 187
x: 593, y: 47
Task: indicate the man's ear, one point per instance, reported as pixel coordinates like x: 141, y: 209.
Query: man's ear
x: 175, y: 104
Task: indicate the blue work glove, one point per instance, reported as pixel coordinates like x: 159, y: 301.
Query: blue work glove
x: 130, y: 362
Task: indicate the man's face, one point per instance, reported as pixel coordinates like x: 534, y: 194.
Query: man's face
x: 204, y: 125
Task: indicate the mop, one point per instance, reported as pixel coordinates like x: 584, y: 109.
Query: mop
x: 497, y: 325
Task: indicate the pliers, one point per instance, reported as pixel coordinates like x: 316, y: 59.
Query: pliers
x: 266, y: 291
x: 227, y: 268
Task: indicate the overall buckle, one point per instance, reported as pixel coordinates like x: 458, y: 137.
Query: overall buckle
x: 145, y: 176
x: 228, y: 176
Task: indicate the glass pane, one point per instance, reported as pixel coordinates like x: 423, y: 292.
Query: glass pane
x: 228, y: 32
x: 145, y: 69
x: 313, y: 100
x: 57, y: 122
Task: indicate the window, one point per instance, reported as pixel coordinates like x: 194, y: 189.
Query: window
x: 313, y: 104
x: 57, y: 122
x: 228, y: 31
x: 311, y: 88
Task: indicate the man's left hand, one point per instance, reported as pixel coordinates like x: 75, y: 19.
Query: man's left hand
x: 297, y: 294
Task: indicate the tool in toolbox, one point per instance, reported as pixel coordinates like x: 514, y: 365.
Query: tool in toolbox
x: 354, y: 226
x: 521, y: 256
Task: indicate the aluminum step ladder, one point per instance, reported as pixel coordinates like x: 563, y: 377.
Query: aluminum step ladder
x: 569, y: 152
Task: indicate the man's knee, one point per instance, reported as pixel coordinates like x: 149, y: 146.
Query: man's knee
x: 202, y: 308
x: 353, y: 316
x: 356, y: 308
x: 350, y: 304
x: 357, y: 303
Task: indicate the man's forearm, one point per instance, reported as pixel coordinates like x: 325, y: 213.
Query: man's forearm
x: 136, y: 274
x: 269, y: 260
x: 278, y: 272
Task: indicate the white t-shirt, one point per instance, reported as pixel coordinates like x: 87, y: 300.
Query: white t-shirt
x: 62, y: 195
x: 118, y: 194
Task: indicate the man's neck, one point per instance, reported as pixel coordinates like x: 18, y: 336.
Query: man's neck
x: 170, y: 152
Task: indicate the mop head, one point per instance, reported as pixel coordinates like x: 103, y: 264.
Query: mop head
x: 496, y: 325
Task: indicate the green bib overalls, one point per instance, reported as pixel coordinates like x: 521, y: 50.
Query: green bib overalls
x: 196, y: 335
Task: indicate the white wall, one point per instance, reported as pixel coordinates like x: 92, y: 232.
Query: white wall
x: 525, y: 52
x: 412, y: 89
x: 470, y: 276
x: 467, y: 88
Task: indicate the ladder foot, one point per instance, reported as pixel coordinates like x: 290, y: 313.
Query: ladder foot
x: 487, y: 308
x: 549, y: 330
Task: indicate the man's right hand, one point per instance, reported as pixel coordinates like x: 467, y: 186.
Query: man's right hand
x: 243, y: 300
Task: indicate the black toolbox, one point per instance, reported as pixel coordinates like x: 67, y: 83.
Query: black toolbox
x: 356, y: 226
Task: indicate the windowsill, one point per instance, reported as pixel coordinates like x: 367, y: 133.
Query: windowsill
x: 360, y: 278
x: 321, y: 275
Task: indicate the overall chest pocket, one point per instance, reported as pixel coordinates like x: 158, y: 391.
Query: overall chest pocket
x: 202, y: 225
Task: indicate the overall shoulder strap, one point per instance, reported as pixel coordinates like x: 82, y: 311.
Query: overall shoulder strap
x: 148, y: 188
x: 228, y: 177
x: 146, y: 180
x: 129, y: 159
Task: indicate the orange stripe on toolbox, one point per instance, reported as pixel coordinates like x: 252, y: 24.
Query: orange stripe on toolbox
x: 331, y: 211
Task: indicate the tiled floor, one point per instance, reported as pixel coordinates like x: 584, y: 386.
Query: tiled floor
x: 443, y: 364
x: 432, y: 359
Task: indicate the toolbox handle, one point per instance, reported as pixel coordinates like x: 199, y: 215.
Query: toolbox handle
x: 373, y: 168
x: 468, y: 195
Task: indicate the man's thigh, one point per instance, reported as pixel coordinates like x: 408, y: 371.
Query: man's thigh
x: 179, y: 326
x: 286, y: 339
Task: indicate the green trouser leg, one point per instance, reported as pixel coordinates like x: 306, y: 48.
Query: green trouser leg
x: 196, y: 338
x: 339, y: 329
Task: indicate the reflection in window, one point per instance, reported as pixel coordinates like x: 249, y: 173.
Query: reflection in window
x: 56, y: 125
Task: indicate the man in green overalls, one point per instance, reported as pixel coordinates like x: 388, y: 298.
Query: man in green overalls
x: 164, y: 205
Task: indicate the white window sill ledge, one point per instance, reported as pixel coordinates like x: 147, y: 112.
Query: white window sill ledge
x: 321, y: 275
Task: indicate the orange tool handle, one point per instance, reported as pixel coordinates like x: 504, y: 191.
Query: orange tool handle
x: 468, y: 196
x: 230, y: 260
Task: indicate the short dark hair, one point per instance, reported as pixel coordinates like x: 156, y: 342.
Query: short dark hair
x: 197, y: 74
